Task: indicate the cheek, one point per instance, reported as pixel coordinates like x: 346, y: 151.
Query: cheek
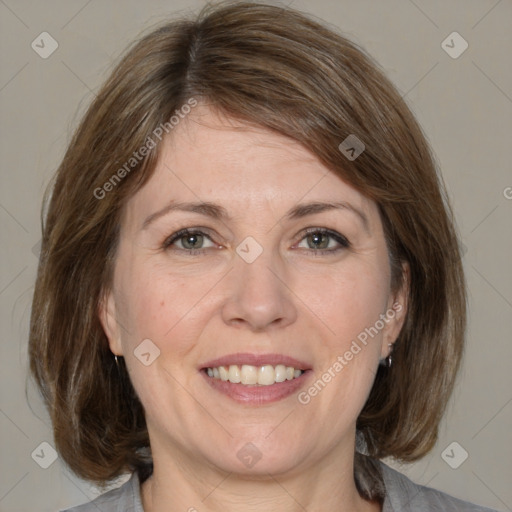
x: 164, y: 308
x: 350, y: 350
x: 362, y: 296
x: 347, y: 301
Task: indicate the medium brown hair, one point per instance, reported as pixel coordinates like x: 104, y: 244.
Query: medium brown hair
x: 271, y: 67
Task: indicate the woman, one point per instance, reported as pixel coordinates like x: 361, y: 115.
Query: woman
x: 250, y: 288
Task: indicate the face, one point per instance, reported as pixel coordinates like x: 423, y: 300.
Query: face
x: 282, y: 267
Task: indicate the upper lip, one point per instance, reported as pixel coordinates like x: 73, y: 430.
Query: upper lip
x: 256, y: 360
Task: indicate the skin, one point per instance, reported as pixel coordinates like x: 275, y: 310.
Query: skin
x: 291, y: 300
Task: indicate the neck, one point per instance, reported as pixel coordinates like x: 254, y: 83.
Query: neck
x: 182, y: 483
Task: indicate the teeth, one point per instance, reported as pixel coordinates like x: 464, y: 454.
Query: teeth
x: 248, y: 374
x: 280, y: 373
x: 224, y: 375
x: 264, y: 375
x: 234, y: 374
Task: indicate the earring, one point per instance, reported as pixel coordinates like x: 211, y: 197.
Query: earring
x: 389, y: 359
x: 118, y: 364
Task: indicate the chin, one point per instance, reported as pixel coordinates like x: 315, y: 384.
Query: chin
x: 259, y: 457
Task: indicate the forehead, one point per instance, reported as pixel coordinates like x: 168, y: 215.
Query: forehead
x: 211, y: 146
x: 211, y: 157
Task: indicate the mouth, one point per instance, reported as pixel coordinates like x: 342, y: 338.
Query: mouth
x: 256, y: 379
x: 250, y: 375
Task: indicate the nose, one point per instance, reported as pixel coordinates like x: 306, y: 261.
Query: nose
x: 259, y: 296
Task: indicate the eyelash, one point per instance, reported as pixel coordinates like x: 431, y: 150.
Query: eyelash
x: 344, y: 243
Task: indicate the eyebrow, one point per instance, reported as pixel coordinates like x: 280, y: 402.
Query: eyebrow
x: 204, y: 208
x: 302, y: 210
x: 218, y: 212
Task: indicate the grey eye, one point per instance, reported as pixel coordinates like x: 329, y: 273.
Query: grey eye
x: 318, y: 240
x: 192, y: 241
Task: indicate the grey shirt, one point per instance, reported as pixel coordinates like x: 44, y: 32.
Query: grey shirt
x: 402, y: 495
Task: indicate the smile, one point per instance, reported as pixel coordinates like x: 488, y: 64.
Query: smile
x: 256, y: 379
x: 264, y: 375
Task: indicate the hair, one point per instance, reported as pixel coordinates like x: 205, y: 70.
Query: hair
x: 270, y: 67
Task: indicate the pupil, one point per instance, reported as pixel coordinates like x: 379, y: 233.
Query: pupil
x: 319, y: 240
x: 190, y: 241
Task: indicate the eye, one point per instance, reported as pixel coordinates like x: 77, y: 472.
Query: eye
x: 324, y: 240
x: 189, y: 240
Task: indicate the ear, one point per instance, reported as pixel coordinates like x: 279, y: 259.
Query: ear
x: 108, y: 319
x: 396, y: 312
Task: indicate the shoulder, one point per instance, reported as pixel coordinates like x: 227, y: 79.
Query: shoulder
x: 123, y: 499
x: 402, y: 494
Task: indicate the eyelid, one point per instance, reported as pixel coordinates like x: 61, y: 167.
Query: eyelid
x: 341, y: 239
x: 187, y: 231
x: 343, y: 242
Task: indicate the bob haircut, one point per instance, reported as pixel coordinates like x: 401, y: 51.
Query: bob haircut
x: 270, y: 67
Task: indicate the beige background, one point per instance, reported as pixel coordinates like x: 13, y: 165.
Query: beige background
x: 465, y: 107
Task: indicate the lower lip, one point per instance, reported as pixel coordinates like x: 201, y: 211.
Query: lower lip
x: 257, y: 395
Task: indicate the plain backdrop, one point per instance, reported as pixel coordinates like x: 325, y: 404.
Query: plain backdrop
x: 465, y: 107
